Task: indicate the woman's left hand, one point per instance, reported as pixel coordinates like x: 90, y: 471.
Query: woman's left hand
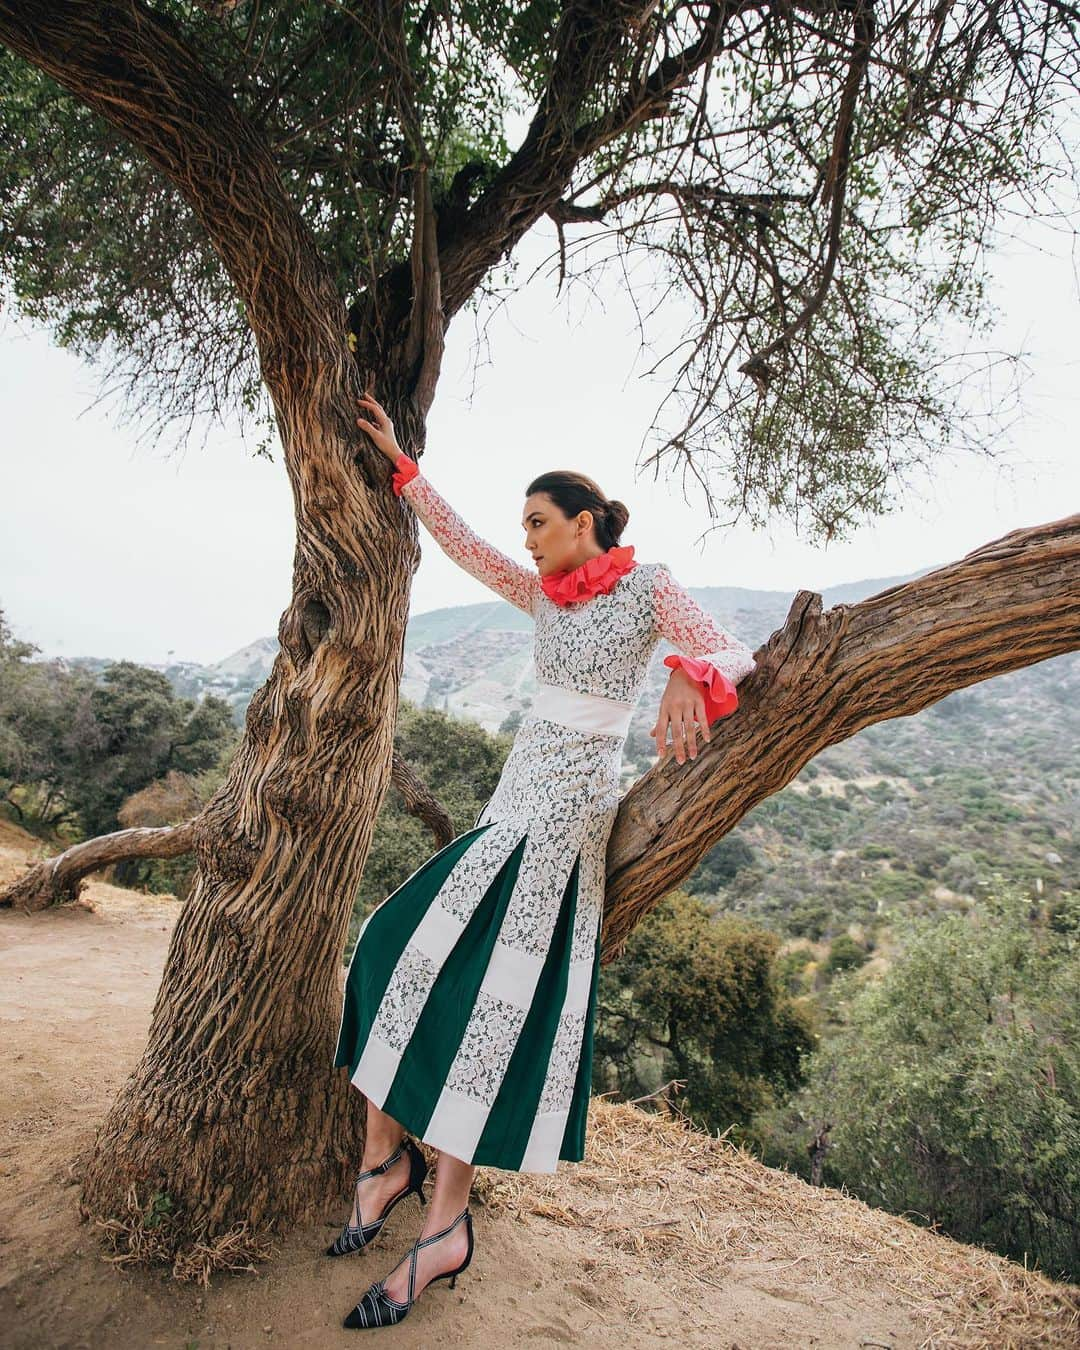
x: 683, y: 709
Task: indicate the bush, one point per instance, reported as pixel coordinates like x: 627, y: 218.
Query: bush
x: 954, y: 1089
x: 791, y: 969
x: 719, y: 866
x: 844, y: 954
x: 699, y: 999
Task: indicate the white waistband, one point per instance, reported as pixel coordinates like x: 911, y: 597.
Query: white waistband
x: 586, y: 712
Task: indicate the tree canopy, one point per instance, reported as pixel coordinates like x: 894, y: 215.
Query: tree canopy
x: 817, y: 182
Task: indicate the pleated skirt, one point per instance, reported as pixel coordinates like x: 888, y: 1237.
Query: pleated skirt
x: 456, y: 1035
x: 470, y: 999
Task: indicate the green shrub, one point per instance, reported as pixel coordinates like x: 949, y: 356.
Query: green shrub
x: 844, y: 954
x: 699, y: 999
x: 953, y: 1092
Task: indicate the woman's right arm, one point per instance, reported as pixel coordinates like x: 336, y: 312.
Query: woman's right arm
x: 513, y: 581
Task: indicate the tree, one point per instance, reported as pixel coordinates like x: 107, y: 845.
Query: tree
x: 26, y: 693
x: 699, y: 999
x: 135, y: 730
x: 271, y: 207
x: 84, y: 745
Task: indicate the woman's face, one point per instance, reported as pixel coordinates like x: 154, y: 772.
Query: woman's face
x: 557, y: 542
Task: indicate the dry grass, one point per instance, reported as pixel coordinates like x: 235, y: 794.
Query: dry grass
x: 144, y: 1235
x: 697, y: 1205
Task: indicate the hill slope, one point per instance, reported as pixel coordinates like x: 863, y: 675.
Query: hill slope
x: 659, y: 1234
x: 476, y: 660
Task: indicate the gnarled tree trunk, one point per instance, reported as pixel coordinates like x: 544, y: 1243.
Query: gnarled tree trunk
x: 233, y: 1109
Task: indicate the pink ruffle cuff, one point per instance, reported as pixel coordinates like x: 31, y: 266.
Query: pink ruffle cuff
x: 407, y: 469
x: 721, y: 697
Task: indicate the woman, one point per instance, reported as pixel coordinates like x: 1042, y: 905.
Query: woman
x: 470, y: 997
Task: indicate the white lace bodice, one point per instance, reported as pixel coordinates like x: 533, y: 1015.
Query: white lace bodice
x: 601, y: 645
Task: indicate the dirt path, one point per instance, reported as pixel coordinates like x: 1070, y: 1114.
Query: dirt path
x: 657, y: 1236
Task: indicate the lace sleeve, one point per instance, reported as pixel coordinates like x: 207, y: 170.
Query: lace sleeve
x: 513, y: 581
x: 710, y: 654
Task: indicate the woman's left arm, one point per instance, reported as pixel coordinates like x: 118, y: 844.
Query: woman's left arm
x: 712, y: 660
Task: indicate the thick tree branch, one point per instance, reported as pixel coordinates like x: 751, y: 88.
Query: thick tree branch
x: 823, y: 677
x: 61, y: 879
x: 590, y: 41
x: 421, y: 802
x: 132, y: 65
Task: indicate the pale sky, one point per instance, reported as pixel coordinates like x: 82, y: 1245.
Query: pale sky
x: 113, y: 549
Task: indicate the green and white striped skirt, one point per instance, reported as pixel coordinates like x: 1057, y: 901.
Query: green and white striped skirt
x: 471, y: 993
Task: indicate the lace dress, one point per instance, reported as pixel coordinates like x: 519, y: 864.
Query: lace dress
x: 471, y: 992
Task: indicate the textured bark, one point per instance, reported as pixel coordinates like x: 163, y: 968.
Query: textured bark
x: 823, y: 677
x: 422, y: 803
x: 233, y: 1109
x: 61, y: 879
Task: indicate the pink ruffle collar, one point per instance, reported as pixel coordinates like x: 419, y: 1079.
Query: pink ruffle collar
x: 595, y: 576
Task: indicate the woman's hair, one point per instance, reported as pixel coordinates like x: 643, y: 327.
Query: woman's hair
x: 573, y: 492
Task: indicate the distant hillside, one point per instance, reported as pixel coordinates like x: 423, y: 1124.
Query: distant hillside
x: 918, y: 811
x: 475, y: 661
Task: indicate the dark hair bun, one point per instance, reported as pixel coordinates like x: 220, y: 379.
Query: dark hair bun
x: 617, y: 517
x: 573, y: 492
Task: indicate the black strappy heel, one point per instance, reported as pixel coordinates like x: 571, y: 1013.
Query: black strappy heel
x: 378, y: 1309
x: 354, y: 1237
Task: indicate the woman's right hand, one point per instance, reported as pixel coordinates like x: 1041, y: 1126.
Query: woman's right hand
x: 380, y: 430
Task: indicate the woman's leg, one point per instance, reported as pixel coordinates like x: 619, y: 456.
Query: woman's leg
x: 382, y: 1135
x: 453, y: 1181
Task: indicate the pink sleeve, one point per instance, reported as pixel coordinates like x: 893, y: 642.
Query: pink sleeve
x: 709, y: 654
x: 513, y: 581
x: 407, y: 469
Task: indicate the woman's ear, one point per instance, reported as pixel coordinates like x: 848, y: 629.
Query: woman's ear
x: 584, y: 521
